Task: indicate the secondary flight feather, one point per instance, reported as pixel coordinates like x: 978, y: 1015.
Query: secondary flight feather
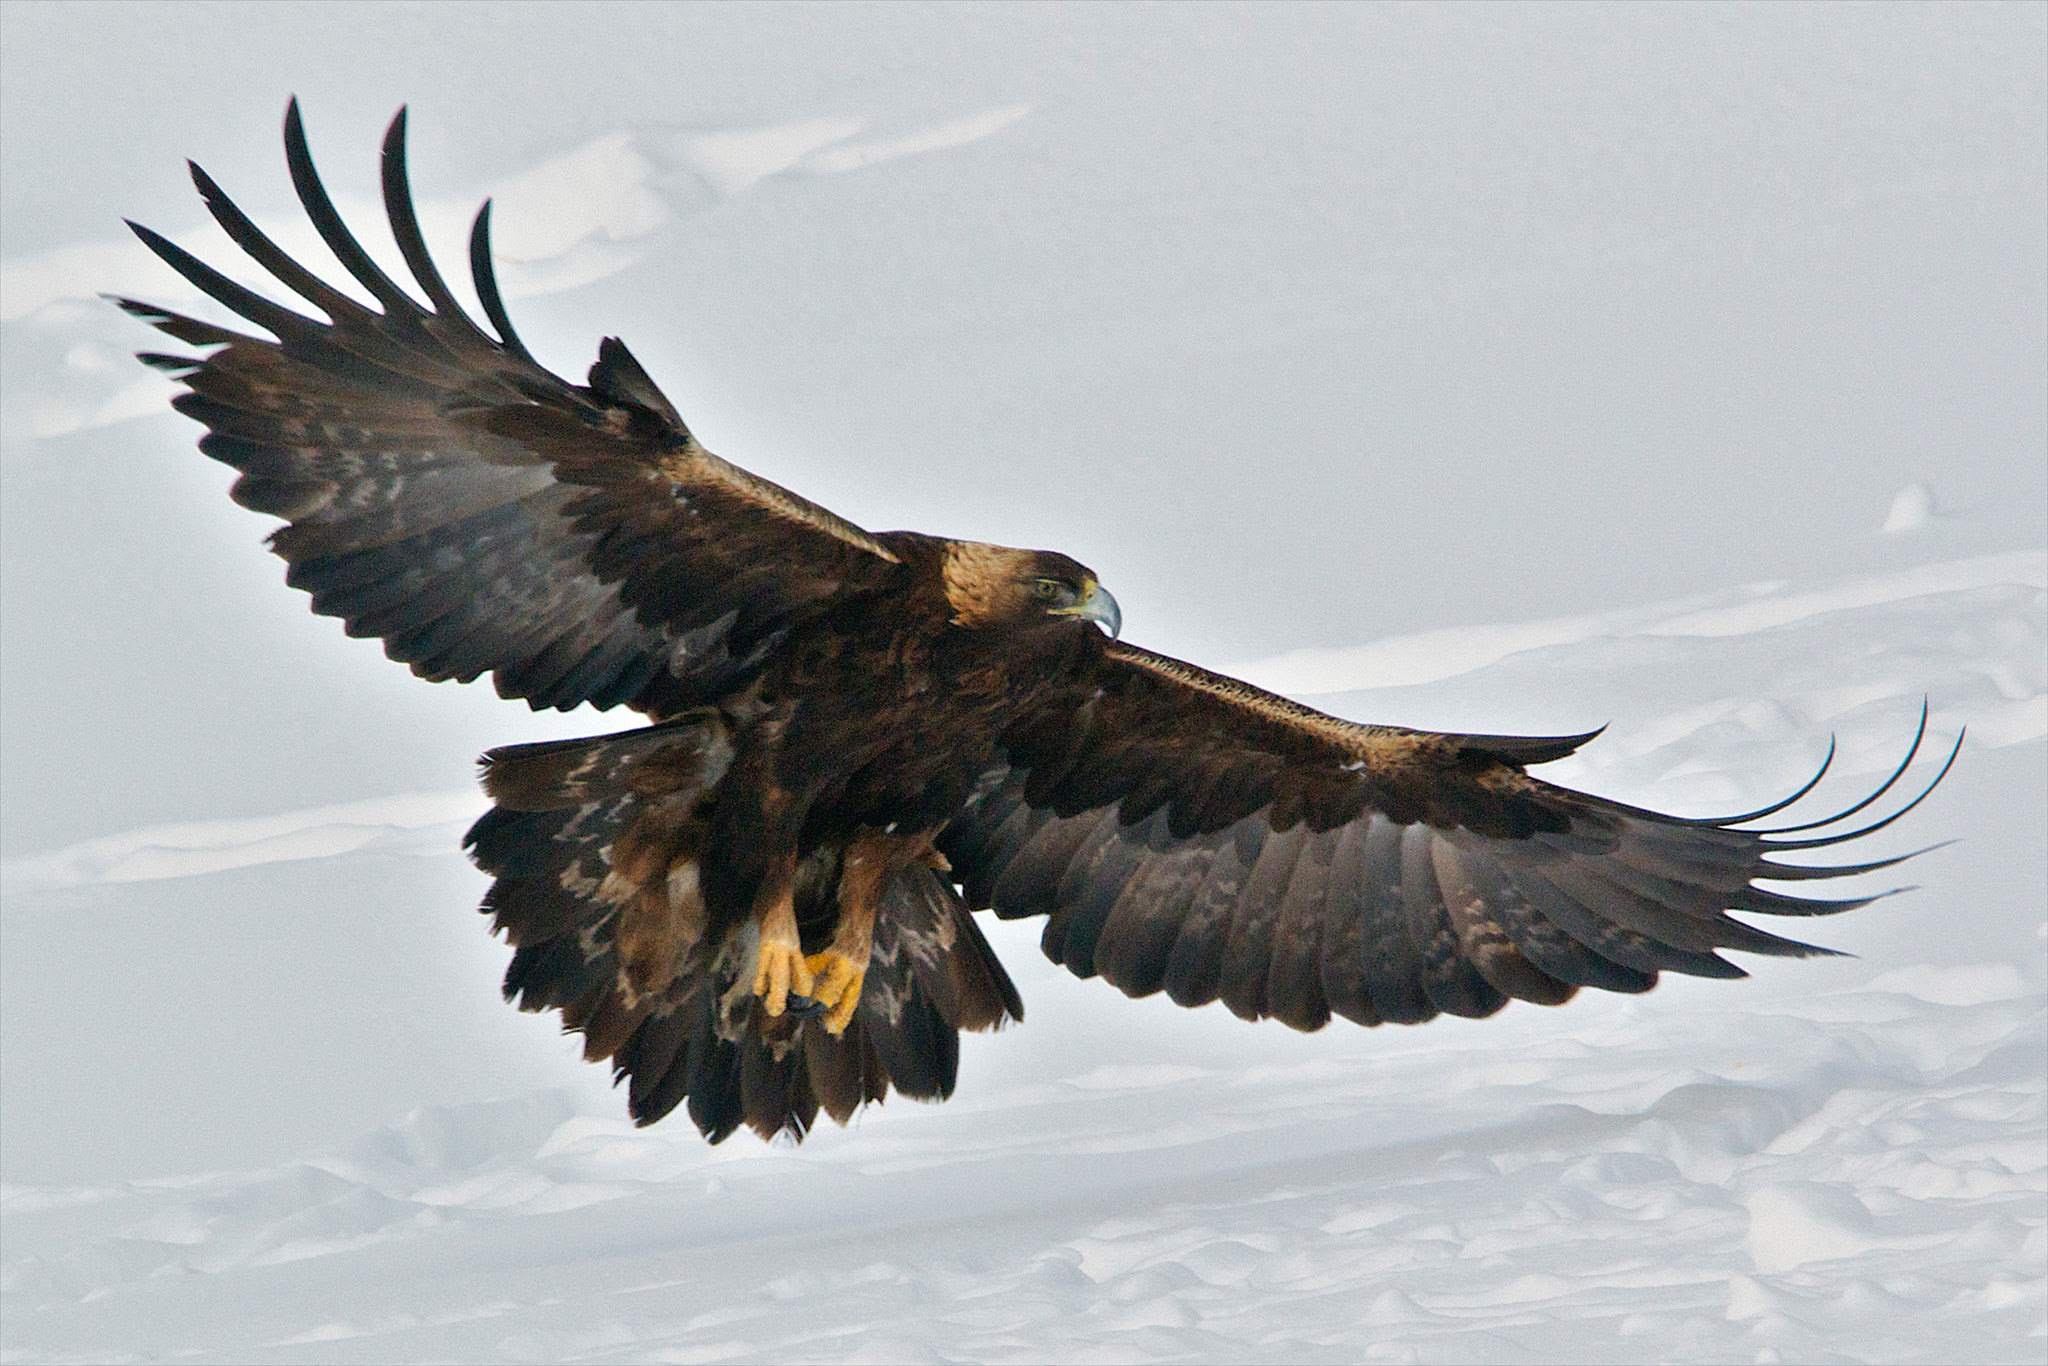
x: 759, y: 904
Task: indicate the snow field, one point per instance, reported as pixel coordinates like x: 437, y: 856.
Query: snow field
x: 1852, y: 1176
x: 1838, y: 1160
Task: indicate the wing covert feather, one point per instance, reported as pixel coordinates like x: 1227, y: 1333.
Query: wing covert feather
x: 476, y: 512
x: 1187, y: 832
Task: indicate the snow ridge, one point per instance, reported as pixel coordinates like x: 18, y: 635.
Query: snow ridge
x: 1429, y: 656
x: 412, y: 822
x: 590, y: 212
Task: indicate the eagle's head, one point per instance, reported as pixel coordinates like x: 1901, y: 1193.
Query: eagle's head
x: 994, y: 586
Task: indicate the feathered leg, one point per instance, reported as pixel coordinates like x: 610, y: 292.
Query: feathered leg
x: 872, y: 862
x: 780, y: 970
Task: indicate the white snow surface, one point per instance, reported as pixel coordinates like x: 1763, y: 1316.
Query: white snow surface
x: 1836, y: 1160
x: 1679, y: 368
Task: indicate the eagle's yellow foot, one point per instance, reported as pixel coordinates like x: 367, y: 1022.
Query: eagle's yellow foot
x: 779, y: 973
x: 837, y: 982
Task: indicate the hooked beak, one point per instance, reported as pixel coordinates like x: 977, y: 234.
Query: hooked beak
x: 1098, y: 607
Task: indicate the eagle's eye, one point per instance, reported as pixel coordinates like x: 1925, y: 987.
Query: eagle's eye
x: 1054, y: 592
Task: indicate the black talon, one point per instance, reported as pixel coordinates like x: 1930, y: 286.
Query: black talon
x: 803, y: 1007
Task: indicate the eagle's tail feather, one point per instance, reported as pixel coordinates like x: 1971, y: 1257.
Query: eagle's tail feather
x: 594, y: 846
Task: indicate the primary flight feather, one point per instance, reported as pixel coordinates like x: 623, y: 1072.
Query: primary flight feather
x: 759, y: 903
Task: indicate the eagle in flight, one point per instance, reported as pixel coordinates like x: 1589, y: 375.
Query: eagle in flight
x: 759, y: 904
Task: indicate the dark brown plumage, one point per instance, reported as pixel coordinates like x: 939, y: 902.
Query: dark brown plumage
x: 759, y: 904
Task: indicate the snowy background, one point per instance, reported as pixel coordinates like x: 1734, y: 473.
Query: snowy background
x: 1493, y: 368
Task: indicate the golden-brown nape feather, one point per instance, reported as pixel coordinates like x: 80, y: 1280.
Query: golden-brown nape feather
x: 985, y: 584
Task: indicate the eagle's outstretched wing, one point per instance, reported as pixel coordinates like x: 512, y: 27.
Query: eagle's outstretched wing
x: 1188, y: 832
x: 479, y: 513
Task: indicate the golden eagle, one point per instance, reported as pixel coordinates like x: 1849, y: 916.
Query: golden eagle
x: 760, y: 903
